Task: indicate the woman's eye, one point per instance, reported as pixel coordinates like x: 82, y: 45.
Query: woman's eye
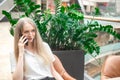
x: 33, y: 30
x: 26, y: 32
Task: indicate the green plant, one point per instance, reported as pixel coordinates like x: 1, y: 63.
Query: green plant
x: 29, y: 9
x: 64, y: 30
x: 68, y: 31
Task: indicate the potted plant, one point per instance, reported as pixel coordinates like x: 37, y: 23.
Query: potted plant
x: 64, y: 30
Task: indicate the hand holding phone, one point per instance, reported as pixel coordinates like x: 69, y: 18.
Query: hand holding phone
x: 26, y: 42
x: 23, y: 41
x: 21, y: 44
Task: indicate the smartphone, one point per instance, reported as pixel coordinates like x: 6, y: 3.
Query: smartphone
x: 25, y: 40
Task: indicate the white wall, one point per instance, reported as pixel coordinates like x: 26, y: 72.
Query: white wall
x: 118, y: 6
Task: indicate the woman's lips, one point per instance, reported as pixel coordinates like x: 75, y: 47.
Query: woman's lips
x: 29, y: 38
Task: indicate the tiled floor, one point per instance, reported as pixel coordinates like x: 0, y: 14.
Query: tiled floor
x: 6, y: 44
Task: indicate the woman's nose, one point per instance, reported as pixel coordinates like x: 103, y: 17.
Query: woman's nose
x: 30, y: 33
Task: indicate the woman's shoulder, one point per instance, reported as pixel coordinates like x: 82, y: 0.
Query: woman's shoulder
x: 111, y: 66
x: 12, y: 55
x: 11, y: 52
x: 45, y: 44
x: 115, y: 59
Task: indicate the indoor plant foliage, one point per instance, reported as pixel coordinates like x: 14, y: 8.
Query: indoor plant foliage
x: 29, y: 9
x: 64, y: 30
x: 68, y: 32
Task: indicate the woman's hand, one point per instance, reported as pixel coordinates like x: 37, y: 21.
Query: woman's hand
x: 22, y: 41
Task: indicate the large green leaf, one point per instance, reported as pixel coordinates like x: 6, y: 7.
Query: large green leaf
x: 8, y: 15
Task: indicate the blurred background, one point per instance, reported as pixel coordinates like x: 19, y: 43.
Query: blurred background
x: 109, y: 14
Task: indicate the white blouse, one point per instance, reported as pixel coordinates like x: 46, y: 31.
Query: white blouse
x: 34, y: 66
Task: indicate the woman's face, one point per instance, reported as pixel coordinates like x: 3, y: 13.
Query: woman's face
x: 29, y: 32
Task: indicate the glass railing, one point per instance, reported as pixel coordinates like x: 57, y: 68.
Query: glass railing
x: 87, y: 77
x: 111, y: 46
x: 1, y: 1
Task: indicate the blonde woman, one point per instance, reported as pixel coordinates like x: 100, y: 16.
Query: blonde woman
x: 34, y: 59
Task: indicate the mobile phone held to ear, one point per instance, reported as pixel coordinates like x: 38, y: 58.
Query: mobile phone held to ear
x: 26, y: 42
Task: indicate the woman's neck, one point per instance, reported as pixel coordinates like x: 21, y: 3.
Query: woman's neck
x: 30, y: 47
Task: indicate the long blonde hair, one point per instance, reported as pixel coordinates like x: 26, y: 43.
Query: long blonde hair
x: 38, y: 45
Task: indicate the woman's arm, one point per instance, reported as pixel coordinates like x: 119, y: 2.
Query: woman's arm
x: 55, y: 73
x: 18, y: 74
x: 60, y: 69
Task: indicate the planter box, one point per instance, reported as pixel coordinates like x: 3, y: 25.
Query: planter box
x: 73, y: 62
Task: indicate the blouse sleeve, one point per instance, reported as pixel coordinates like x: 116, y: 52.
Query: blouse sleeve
x: 49, y: 51
x: 12, y: 61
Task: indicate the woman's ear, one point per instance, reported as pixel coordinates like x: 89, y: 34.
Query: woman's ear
x: 20, y: 34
